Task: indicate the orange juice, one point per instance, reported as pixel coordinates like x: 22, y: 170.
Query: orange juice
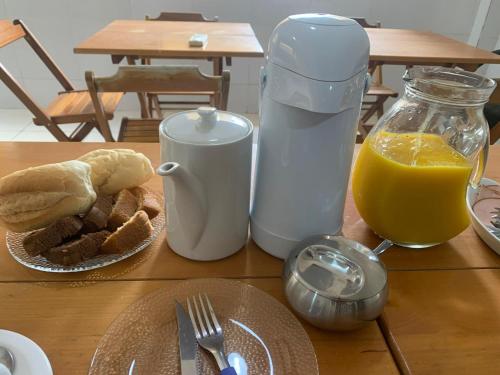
x: 410, y: 188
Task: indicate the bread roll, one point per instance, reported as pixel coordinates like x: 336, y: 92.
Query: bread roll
x: 36, y: 197
x: 118, y: 169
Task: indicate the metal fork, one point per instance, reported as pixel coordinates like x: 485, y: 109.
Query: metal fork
x: 209, y: 335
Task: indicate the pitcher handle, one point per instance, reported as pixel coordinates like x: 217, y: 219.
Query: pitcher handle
x: 480, y: 165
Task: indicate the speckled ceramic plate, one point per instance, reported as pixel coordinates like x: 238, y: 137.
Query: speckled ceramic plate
x: 481, y: 202
x: 16, y: 249
x: 262, y: 337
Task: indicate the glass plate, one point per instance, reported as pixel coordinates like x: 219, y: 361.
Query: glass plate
x: 16, y: 249
x: 143, y: 339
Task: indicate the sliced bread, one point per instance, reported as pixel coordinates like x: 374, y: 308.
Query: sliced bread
x: 147, y: 201
x: 42, y: 240
x: 124, y: 208
x: 129, y: 235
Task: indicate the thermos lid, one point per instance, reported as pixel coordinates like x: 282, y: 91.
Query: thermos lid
x: 206, y: 126
x: 318, y: 46
x: 337, y: 268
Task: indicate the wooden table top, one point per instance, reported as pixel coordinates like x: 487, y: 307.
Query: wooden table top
x: 171, y: 38
x: 67, y: 314
x: 414, y: 47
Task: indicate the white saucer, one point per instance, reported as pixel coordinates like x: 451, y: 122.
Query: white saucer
x: 28, y: 356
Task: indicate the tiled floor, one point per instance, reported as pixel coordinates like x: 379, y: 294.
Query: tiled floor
x: 17, y: 125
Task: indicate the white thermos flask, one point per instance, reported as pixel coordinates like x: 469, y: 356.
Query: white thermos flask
x: 311, y: 92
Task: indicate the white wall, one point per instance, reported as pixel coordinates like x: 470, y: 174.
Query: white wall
x: 61, y: 24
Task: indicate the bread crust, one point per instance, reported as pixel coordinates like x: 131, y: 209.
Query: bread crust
x: 147, y: 201
x: 125, y: 207
x: 55, y: 234
x: 36, y: 197
x: 129, y: 235
x: 117, y: 169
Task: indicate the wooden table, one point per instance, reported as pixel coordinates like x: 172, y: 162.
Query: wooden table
x: 161, y: 39
x: 413, y: 47
x: 441, y: 316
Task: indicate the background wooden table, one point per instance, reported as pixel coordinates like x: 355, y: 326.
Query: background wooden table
x: 413, y: 47
x: 139, y: 38
x: 441, y: 316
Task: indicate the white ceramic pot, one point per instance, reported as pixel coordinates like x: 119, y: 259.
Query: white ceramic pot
x: 206, y: 163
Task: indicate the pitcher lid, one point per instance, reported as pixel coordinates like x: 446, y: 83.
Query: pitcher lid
x: 206, y: 126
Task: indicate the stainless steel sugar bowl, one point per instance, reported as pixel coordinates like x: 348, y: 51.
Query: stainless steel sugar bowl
x: 335, y: 283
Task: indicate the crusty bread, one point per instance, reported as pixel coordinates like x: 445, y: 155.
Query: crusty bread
x: 41, y: 240
x: 78, y: 250
x: 97, y: 217
x: 118, y: 169
x: 125, y: 207
x: 147, y: 201
x: 128, y: 236
x: 36, y: 197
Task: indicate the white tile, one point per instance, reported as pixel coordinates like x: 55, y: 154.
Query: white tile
x: 252, y: 99
x: 14, y: 120
x: 239, y: 70
x: 54, y: 35
x: 152, y: 8
x: 27, y: 136
x: 271, y: 12
x: 8, y: 58
x: 7, y: 97
x: 43, y: 91
x: 346, y: 8
x: 32, y: 128
x: 254, y: 67
x: 94, y: 136
x: 491, y: 25
x: 7, y: 136
x: 238, y: 96
x: 42, y: 9
x: 436, y: 15
x: 226, y: 11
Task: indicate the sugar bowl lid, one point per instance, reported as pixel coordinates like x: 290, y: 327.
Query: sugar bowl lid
x: 337, y: 268
x: 206, y: 126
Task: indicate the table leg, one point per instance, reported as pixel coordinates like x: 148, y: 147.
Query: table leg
x: 142, y: 97
x: 218, y: 66
x: 116, y: 59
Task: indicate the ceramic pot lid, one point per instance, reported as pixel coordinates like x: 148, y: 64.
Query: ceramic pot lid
x: 206, y: 126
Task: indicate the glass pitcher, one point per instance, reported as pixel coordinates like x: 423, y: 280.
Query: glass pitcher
x: 413, y: 169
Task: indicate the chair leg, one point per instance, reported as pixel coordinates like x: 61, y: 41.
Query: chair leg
x: 81, y: 131
x: 58, y: 133
x: 157, y: 107
x: 141, y: 96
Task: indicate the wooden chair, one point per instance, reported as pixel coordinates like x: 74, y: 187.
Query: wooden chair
x: 153, y: 99
x: 142, y: 79
x: 70, y: 106
x: 177, y: 16
x: 374, y: 99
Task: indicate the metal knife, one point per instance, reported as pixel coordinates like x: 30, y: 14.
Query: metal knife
x: 187, y: 341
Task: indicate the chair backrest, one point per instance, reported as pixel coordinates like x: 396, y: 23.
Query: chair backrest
x: 377, y: 71
x: 11, y: 32
x: 176, y: 16
x: 363, y: 22
x: 144, y: 79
